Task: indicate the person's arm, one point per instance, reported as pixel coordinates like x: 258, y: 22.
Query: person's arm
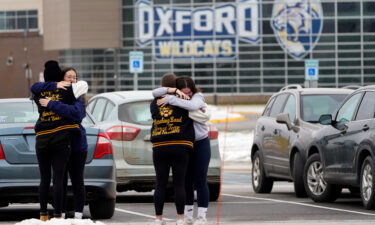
x: 158, y: 92
x: 48, y: 86
x: 74, y: 112
x: 196, y: 102
x: 43, y: 86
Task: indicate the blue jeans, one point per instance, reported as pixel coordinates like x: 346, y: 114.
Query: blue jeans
x: 196, y: 175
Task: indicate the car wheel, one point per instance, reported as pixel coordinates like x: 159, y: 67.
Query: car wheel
x: 316, y: 187
x: 214, y: 191
x: 261, y: 184
x: 299, y: 187
x: 102, y: 208
x: 367, y: 183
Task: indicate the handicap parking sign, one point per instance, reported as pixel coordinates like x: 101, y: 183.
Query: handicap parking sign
x: 136, y: 62
x: 311, y: 69
x: 312, y: 72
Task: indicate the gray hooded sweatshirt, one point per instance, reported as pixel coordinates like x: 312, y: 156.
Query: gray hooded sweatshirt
x: 195, y: 103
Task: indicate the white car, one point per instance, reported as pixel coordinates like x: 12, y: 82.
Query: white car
x: 126, y: 118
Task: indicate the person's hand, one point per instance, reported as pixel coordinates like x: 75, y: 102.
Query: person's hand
x: 63, y: 84
x: 161, y: 101
x: 44, y: 101
x: 182, y: 95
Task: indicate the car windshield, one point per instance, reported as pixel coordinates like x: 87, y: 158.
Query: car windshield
x: 135, y: 112
x: 313, y: 106
x: 18, y: 112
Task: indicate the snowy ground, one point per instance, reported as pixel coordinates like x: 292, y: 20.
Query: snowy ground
x: 59, y: 222
x: 235, y: 146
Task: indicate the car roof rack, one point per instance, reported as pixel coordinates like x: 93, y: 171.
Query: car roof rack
x: 292, y: 86
x: 352, y: 87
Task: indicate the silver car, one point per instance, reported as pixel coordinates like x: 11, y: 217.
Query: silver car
x: 19, y: 171
x: 126, y: 118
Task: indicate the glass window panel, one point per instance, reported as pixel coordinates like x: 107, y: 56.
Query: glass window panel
x: 366, y: 109
x: 348, y: 8
x: 32, y: 12
x: 10, y: 13
x: 267, y: 110
x: 328, y: 26
x: 346, y: 112
x: 369, y: 25
x: 290, y: 107
x: 368, y: 8
x: 348, y: 25
x: 2, y: 21
x: 267, y: 11
x: 21, y: 23
x: 21, y: 13
x: 10, y: 24
x: 328, y: 9
x: 33, y: 23
x: 278, y: 105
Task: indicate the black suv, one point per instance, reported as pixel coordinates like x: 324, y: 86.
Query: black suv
x: 342, y: 153
x: 284, y: 131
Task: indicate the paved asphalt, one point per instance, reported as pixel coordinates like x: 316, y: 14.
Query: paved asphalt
x: 238, y: 203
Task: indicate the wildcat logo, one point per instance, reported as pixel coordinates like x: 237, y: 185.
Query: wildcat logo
x: 297, y: 25
x: 165, y: 111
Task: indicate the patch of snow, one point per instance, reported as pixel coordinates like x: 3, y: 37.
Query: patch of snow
x: 235, y: 146
x: 55, y: 221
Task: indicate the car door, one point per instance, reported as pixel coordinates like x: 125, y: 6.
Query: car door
x: 269, y: 127
x: 339, y: 146
x: 281, y: 137
x: 359, y: 130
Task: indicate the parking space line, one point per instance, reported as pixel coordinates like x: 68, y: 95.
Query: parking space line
x: 303, y: 204
x: 140, y: 214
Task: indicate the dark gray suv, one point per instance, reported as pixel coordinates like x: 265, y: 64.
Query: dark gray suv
x: 283, y: 133
x: 342, y: 153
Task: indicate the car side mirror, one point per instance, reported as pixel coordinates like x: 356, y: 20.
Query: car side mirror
x: 284, y: 118
x: 325, y: 119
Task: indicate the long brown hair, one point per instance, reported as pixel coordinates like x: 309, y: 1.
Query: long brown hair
x: 186, y: 82
x: 82, y: 97
x: 66, y: 69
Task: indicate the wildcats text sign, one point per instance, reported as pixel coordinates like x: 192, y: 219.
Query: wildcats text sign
x: 202, y: 32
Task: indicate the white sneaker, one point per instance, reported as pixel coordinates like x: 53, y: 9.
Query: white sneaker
x: 189, y: 221
x: 180, y: 222
x: 159, y: 222
x: 200, y: 221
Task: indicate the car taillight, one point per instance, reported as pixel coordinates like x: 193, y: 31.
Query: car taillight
x: 213, y: 132
x: 123, y: 133
x: 2, y: 156
x: 103, y: 146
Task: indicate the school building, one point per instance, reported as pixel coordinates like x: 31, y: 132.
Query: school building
x: 238, y: 48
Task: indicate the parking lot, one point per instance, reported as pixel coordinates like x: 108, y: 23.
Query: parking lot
x: 238, y: 204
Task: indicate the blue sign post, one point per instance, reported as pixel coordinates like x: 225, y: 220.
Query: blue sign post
x: 312, y: 72
x: 136, y: 65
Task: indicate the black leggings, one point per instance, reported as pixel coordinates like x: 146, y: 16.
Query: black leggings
x: 164, y: 158
x: 76, y: 166
x: 57, y: 158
